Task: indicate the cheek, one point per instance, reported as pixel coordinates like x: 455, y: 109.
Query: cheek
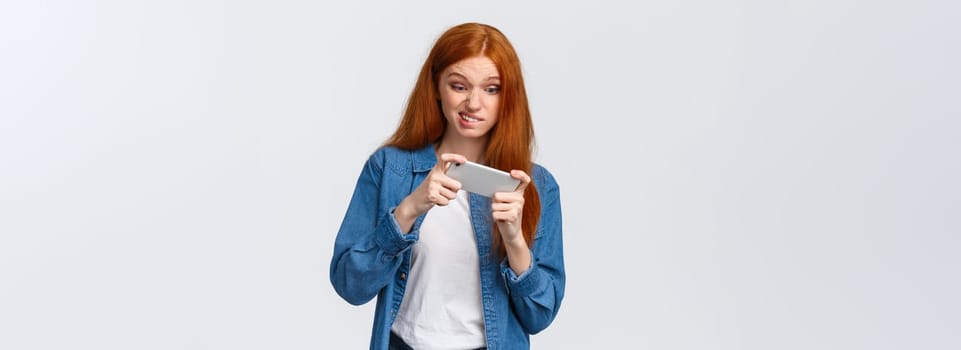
x: 493, y: 105
x: 448, y: 100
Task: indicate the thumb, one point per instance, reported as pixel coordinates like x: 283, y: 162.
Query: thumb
x: 525, y: 180
x: 446, y: 159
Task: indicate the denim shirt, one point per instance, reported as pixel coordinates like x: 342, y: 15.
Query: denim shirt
x: 372, y: 256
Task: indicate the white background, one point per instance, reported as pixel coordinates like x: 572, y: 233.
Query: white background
x: 734, y: 174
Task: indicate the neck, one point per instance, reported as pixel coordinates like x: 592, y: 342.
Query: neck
x: 472, y: 149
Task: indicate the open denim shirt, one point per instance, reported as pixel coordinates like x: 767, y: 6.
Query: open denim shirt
x: 372, y: 255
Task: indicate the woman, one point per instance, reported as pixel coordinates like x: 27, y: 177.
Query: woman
x: 453, y: 269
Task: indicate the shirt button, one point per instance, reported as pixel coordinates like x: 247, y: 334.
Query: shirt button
x: 403, y: 276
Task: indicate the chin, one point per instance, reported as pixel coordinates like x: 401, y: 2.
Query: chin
x: 472, y: 134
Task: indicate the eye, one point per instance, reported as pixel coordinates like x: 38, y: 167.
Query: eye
x: 458, y: 87
x: 493, y: 89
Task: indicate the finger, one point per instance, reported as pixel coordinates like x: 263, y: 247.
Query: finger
x: 501, y: 207
x: 507, y: 197
x: 434, y: 198
x: 504, y: 216
x: 445, y: 190
x: 447, y: 158
x: 448, y: 182
x: 525, y: 180
x: 441, y: 201
x: 446, y: 193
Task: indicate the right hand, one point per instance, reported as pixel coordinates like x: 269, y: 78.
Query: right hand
x: 437, y: 188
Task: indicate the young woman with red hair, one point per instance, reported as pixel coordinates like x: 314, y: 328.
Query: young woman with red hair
x: 453, y: 269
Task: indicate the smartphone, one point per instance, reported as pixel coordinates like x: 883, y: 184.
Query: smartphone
x: 481, y: 179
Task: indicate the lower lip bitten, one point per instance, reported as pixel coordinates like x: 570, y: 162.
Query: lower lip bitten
x: 467, y: 119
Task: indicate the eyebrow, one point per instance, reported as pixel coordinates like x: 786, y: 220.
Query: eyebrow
x: 492, y: 77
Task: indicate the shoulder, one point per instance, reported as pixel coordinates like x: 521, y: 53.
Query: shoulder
x: 403, y: 161
x: 386, y: 157
x: 544, y: 180
x: 389, y: 153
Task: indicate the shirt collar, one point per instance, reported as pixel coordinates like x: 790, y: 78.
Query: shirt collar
x: 424, y: 159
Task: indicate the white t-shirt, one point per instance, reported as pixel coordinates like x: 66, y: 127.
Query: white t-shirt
x: 442, y: 303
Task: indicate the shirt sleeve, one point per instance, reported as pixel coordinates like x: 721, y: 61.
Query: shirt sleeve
x: 537, y: 293
x: 370, y: 245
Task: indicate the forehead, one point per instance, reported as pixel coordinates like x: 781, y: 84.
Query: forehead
x: 477, y: 67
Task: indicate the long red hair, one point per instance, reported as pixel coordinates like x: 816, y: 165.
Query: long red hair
x: 511, y: 140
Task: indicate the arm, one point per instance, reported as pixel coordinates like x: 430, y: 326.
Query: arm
x: 536, y: 292
x: 436, y: 189
x: 369, y: 245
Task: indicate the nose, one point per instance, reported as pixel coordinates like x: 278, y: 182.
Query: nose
x: 473, y: 103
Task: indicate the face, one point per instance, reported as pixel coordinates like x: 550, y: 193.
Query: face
x: 469, y: 95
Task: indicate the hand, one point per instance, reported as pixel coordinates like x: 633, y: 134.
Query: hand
x: 508, y: 209
x: 437, y: 189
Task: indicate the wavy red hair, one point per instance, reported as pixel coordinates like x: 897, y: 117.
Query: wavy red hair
x: 511, y: 139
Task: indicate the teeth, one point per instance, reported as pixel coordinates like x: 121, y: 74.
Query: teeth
x: 465, y: 117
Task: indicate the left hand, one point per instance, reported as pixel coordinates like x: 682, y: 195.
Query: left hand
x: 508, y: 209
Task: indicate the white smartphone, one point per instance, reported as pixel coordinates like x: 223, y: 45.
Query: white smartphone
x: 481, y: 179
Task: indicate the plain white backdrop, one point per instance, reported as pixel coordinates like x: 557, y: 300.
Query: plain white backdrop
x: 734, y: 174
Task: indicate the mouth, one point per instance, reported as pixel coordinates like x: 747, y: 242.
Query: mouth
x: 469, y: 118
